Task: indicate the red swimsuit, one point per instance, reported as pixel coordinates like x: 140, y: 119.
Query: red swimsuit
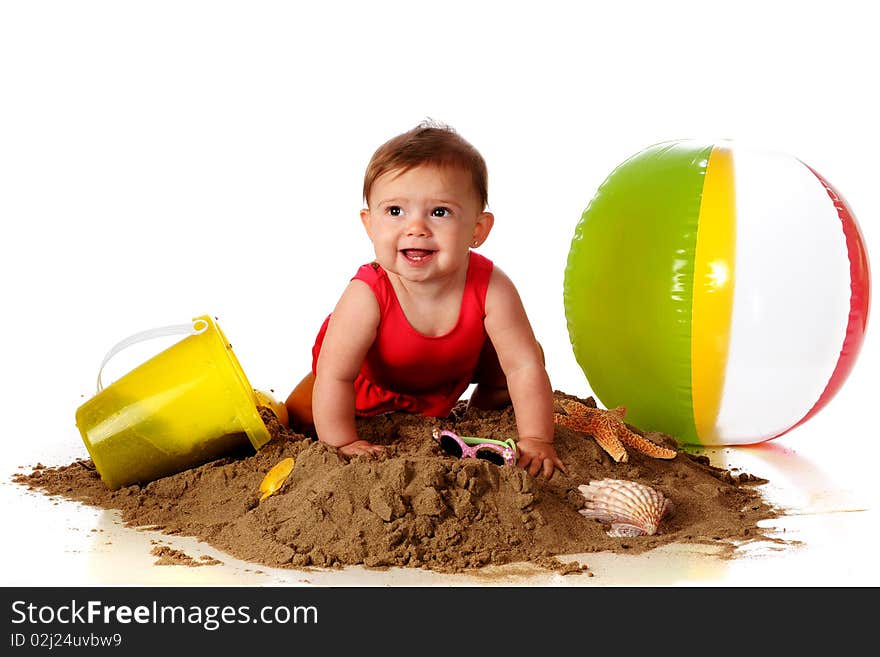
x: 433, y: 371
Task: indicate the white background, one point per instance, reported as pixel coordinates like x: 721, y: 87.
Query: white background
x: 164, y: 160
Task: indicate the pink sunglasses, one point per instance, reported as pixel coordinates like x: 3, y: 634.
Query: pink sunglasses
x: 467, y: 447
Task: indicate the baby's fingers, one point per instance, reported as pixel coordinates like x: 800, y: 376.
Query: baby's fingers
x: 558, y: 463
x: 371, y: 450
x: 361, y: 448
x: 530, y: 464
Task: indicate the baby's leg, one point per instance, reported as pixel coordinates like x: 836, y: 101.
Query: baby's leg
x: 299, y: 405
x: 491, y: 391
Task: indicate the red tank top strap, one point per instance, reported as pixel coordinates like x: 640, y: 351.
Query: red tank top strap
x: 377, y: 278
x: 479, y: 273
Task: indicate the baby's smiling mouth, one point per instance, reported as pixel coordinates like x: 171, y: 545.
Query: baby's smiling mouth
x: 416, y: 255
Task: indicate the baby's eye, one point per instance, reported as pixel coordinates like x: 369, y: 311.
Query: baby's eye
x: 441, y: 212
x: 394, y: 210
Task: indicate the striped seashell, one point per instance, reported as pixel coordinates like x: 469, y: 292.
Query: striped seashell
x: 631, y: 508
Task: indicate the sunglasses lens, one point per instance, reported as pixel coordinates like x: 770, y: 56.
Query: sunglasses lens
x: 491, y: 456
x: 450, y: 446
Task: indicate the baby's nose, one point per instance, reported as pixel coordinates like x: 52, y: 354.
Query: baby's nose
x: 417, y: 226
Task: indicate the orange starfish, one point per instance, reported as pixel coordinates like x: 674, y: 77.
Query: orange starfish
x: 609, y: 430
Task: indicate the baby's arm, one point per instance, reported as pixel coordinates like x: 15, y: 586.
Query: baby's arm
x: 350, y: 332
x: 527, y: 382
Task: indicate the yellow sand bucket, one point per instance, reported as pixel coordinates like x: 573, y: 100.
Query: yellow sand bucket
x: 185, y: 406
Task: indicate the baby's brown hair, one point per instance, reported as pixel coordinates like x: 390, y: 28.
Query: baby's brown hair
x: 431, y: 143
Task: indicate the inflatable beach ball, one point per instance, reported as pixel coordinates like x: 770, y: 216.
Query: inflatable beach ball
x: 719, y: 293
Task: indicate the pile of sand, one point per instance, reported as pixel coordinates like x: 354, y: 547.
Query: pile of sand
x: 417, y: 507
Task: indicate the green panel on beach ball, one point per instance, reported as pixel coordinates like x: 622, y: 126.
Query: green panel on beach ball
x: 629, y: 286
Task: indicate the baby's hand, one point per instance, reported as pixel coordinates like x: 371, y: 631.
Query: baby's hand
x: 361, y: 448
x: 538, y: 456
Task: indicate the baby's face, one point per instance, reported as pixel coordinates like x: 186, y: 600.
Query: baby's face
x: 423, y: 222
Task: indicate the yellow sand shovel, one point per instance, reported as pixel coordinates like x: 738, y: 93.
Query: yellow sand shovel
x: 275, y: 477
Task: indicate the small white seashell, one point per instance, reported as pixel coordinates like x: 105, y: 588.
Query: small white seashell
x: 631, y: 508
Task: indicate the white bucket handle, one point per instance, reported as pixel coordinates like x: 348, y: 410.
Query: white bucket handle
x: 195, y: 327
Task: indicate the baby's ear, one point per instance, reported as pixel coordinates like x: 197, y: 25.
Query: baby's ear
x: 485, y: 221
x: 365, y: 220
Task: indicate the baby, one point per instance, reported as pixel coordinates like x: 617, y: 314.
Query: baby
x: 429, y: 316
